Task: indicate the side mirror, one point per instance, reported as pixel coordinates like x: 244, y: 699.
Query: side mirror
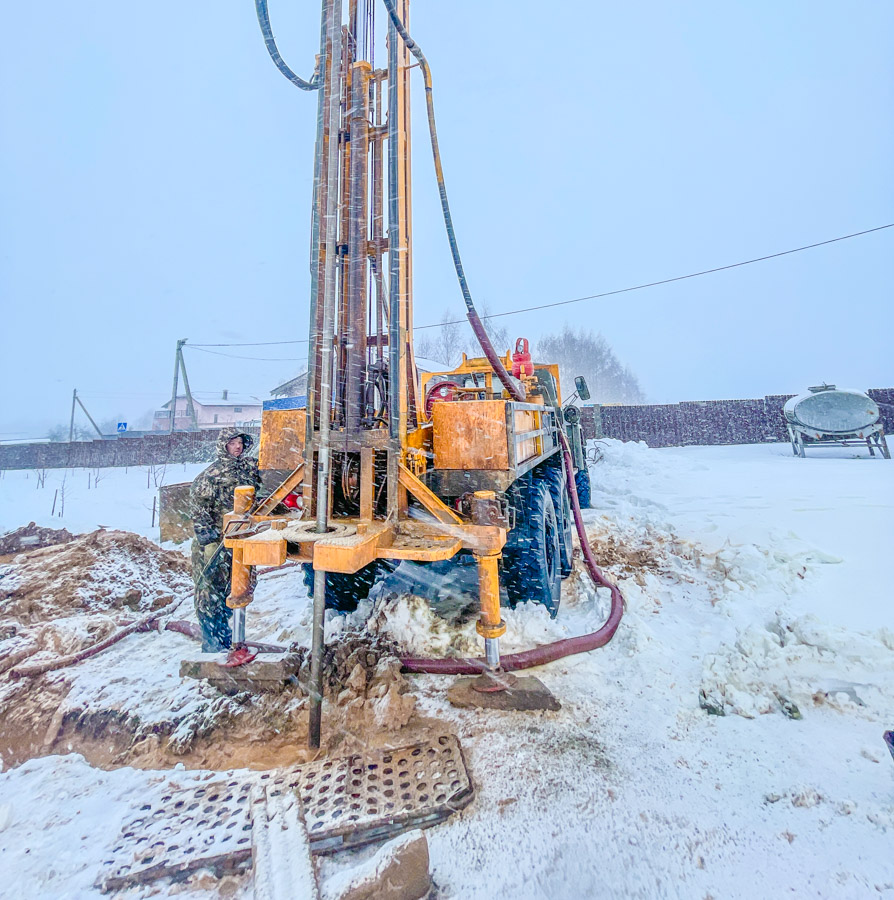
x: 581, y: 384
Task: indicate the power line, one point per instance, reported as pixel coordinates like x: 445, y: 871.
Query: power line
x: 257, y: 358
x: 627, y: 290
x: 255, y: 344
x: 640, y: 287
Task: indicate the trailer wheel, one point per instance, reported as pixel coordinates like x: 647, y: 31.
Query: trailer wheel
x: 558, y: 489
x: 343, y: 592
x: 582, y: 483
x: 532, y: 566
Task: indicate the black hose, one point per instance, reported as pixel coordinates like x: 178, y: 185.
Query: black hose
x: 474, y: 320
x: 603, y: 635
x: 273, y: 50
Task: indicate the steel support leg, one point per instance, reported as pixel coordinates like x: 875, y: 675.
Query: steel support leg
x: 239, y: 625
x: 490, y: 626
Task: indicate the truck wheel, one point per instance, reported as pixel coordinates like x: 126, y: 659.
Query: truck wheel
x: 532, y: 566
x: 558, y: 489
x: 582, y: 483
x: 343, y: 592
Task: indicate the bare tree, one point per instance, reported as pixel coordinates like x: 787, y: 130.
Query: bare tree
x: 41, y: 477
x: 447, y: 342
x: 158, y: 472
x: 59, y: 433
x: 579, y: 352
x: 497, y: 330
x: 443, y: 344
x: 62, y: 496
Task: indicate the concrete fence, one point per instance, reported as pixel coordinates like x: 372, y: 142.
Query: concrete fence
x: 179, y: 447
x: 668, y: 425
x: 706, y: 421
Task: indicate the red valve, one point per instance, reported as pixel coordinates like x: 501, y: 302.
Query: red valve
x: 521, y: 359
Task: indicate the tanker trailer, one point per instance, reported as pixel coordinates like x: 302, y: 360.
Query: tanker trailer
x: 829, y: 415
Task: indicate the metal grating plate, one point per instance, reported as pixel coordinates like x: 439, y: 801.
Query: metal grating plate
x: 347, y: 802
x: 176, y: 832
x: 366, y: 797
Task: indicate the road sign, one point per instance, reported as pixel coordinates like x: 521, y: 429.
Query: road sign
x: 122, y: 426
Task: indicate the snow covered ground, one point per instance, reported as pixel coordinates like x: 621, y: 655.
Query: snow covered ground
x: 116, y: 498
x: 726, y: 744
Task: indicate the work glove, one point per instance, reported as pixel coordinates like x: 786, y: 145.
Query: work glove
x: 207, y: 536
x: 208, y: 552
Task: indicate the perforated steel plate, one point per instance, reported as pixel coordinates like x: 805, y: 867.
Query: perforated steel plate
x: 363, y: 798
x: 176, y: 832
x: 347, y: 802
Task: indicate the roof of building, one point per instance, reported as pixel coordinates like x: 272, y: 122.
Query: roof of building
x: 292, y: 387
x: 206, y: 404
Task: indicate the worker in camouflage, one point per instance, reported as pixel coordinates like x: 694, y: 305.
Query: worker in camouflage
x: 211, y: 496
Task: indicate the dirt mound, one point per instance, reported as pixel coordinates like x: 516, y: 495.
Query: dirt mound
x: 32, y: 537
x: 96, y: 572
x: 627, y: 556
x: 341, y: 658
x: 375, y: 707
x: 610, y: 552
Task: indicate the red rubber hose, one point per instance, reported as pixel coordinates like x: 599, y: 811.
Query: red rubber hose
x: 512, y: 662
x: 545, y: 653
x: 548, y: 652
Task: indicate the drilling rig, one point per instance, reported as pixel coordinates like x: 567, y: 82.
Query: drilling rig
x: 391, y: 465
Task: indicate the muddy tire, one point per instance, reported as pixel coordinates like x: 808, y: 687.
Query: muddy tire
x: 532, y: 563
x: 558, y: 489
x: 582, y: 483
x: 343, y: 592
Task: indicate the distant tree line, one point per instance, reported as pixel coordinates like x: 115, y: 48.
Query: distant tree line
x: 575, y: 351
x: 83, y: 432
x: 591, y: 355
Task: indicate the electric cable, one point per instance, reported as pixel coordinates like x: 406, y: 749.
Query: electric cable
x: 640, y: 287
x: 252, y: 344
x: 627, y: 290
x: 256, y: 358
x: 273, y: 50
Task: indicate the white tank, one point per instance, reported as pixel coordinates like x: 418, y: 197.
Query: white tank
x: 828, y: 409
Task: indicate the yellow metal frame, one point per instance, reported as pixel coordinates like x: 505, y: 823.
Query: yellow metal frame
x: 479, y: 365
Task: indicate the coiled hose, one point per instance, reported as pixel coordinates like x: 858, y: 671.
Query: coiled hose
x: 547, y: 652
x: 273, y: 50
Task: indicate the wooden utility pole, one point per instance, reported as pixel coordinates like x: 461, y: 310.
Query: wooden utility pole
x: 76, y: 399
x: 176, y: 376
x: 180, y: 365
x: 190, y: 406
x: 87, y: 414
x: 71, y: 427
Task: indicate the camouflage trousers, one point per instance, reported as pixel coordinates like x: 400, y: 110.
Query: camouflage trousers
x: 212, y: 583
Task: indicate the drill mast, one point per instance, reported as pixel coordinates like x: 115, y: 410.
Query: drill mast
x: 361, y: 373
x: 476, y: 467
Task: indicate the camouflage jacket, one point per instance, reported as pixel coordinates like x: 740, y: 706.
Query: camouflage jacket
x: 211, y: 494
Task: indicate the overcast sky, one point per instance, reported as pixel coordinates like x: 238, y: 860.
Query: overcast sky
x: 156, y: 185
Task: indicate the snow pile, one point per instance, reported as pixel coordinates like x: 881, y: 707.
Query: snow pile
x: 789, y: 664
